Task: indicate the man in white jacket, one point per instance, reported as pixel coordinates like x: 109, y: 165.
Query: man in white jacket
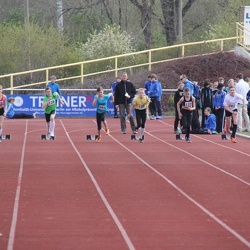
x: 242, y: 88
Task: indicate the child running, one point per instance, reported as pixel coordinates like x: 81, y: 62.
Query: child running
x: 185, y: 106
x: 49, y: 106
x: 101, y: 102
x: 140, y: 104
x: 3, y: 108
x: 230, y: 104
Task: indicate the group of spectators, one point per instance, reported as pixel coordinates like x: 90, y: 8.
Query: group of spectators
x: 223, y: 106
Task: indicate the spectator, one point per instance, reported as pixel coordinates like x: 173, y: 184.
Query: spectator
x: 158, y: 100
x: 113, y: 86
x: 218, y: 101
x: 177, y: 96
x: 153, y: 93
x: 187, y: 84
x: 242, y: 88
x: 10, y: 113
x: 54, y: 86
x: 210, y: 122
x: 206, y: 100
x: 3, y: 108
x: 124, y: 93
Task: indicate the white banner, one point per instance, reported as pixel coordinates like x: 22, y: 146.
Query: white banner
x: 247, y: 25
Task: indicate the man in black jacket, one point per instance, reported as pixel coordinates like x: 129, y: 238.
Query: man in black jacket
x: 124, y: 93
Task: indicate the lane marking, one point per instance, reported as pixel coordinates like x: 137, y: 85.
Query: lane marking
x: 17, y: 197
x: 220, y: 222
x: 105, y: 201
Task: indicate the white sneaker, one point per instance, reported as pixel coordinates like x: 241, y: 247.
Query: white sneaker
x: 34, y: 115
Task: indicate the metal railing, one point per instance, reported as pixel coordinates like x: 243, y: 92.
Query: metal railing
x: 114, y: 64
x: 243, y: 36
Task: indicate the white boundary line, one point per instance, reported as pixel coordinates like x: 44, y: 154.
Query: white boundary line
x: 105, y: 201
x: 220, y: 222
x: 17, y: 197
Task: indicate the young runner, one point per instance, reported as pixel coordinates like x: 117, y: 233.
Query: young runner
x: 230, y: 104
x: 49, y: 106
x: 185, y: 107
x: 101, y: 102
x: 140, y: 104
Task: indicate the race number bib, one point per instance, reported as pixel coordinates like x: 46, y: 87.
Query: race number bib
x: 188, y: 104
x: 102, y: 107
x: 51, y: 102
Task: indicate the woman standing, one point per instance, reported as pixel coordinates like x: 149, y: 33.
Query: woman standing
x: 3, y: 108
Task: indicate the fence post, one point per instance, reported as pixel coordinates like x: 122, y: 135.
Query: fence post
x: 149, y: 60
x: 82, y: 74
x: 11, y: 84
x: 116, y: 71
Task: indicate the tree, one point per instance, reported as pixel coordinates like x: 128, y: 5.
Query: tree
x: 146, y: 10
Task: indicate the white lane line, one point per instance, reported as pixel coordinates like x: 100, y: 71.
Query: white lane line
x: 224, y: 225
x: 206, y: 162
x: 17, y: 197
x: 218, y: 144
x: 105, y: 201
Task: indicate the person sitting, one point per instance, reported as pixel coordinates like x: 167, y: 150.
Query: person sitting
x: 210, y: 122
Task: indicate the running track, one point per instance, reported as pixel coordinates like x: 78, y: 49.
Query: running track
x: 75, y: 194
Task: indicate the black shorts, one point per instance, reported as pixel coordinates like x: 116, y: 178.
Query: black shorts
x: 47, y: 116
x: 1, y: 111
x: 228, y: 114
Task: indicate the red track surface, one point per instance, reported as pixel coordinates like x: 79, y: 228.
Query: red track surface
x: 121, y: 194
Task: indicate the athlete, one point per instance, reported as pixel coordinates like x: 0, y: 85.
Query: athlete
x: 185, y: 107
x: 101, y: 102
x: 140, y: 104
x: 49, y: 106
x: 230, y: 104
x: 3, y: 108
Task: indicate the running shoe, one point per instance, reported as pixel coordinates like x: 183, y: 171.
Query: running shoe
x: 98, y: 139
x: 189, y: 141
x: 0, y: 138
x: 233, y: 140
x: 107, y: 131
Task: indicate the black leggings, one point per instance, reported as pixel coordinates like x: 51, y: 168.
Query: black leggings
x: 186, y: 122
x: 141, y: 117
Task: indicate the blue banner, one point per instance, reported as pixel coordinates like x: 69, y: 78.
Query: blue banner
x: 74, y: 105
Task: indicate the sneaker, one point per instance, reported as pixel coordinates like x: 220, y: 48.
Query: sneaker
x: 233, y: 140
x: 115, y: 116
x: 98, y: 139
x: 152, y: 117
x: 189, y: 141
x: 124, y: 132
x: 0, y: 138
x: 141, y: 140
x: 179, y: 130
x: 158, y: 117
x: 52, y: 137
x: 107, y: 131
x: 34, y: 115
x: 135, y: 132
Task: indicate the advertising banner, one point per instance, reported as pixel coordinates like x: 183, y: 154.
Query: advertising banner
x: 75, y: 105
x: 247, y: 25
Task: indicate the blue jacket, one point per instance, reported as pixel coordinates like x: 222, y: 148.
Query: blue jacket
x: 160, y: 92
x: 113, y: 87
x: 154, y: 89
x: 248, y: 99
x: 210, y: 122
x: 190, y: 85
x: 10, y: 110
x: 54, y: 87
x: 147, y: 86
x: 219, y: 99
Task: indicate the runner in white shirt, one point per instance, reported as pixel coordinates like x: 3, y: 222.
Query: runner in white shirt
x: 231, y: 104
